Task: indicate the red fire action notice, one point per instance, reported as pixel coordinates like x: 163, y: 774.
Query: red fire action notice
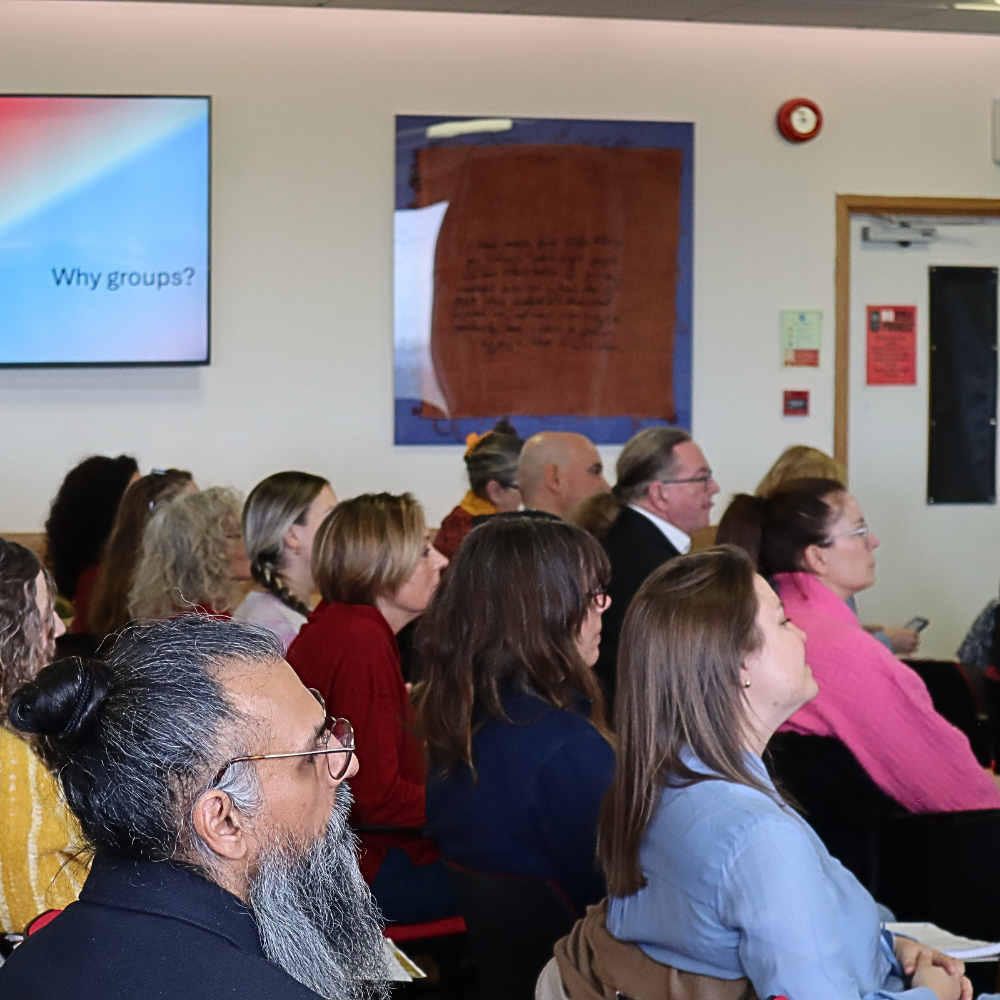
x: 892, y: 345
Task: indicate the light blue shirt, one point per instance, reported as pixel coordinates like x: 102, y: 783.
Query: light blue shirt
x: 740, y: 885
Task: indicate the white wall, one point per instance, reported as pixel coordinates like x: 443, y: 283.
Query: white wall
x: 303, y: 192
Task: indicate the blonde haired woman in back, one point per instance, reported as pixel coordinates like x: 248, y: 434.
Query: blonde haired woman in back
x: 280, y: 520
x: 192, y: 557
x: 39, y: 837
x: 800, y: 461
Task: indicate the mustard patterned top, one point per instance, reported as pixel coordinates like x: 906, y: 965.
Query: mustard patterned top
x: 39, y: 838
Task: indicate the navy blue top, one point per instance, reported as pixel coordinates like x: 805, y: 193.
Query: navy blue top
x: 145, y: 930
x: 534, y: 806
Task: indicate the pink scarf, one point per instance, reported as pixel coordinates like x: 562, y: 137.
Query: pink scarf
x: 879, y: 708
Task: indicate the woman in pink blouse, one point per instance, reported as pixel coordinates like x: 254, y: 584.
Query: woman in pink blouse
x: 812, y: 542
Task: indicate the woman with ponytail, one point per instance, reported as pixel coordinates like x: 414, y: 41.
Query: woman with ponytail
x: 39, y: 838
x: 810, y: 539
x: 280, y: 520
x: 491, y: 461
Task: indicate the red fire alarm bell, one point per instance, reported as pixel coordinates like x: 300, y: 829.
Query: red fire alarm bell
x: 800, y: 119
x: 796, y: 402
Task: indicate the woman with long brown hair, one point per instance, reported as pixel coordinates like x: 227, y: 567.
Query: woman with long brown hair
x: 109, y: 601
x: 510, y: 708
x: 710, y: 872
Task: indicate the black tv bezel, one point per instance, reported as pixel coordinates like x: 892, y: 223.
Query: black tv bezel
x: 15, y: 365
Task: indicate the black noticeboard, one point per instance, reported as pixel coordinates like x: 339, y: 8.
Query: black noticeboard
x: 961, y: 454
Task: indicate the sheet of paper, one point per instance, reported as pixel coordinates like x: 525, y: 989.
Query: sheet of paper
x: 416, y: 234
x: 951, y: 944
x: 401, y: 968
x: 892, y: 345
x: 801, y: 337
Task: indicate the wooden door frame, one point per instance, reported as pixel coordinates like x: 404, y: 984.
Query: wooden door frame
x: 849, y: 205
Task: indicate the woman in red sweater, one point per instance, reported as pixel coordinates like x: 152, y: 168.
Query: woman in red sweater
x: 376, y: 570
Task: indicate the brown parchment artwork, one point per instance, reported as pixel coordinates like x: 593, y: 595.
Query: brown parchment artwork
x: 554, y: 279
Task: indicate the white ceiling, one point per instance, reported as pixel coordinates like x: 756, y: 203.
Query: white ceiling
x: 918, y: 15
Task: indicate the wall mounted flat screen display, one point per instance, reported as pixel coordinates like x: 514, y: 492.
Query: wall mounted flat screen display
x: 104, y: 230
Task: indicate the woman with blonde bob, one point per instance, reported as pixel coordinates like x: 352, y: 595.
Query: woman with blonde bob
x: 192, y: 557
x: 711, y: 875
x: 376, y: 571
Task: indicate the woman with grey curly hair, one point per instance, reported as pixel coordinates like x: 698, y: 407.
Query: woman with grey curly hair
x: 39, y: 838
x: 192, y: 557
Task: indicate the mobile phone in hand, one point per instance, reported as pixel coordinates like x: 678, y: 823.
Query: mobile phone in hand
x: 918, y: 624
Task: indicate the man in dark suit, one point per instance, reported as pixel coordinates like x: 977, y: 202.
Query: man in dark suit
x: 665, y: 493
x: 210, y: 784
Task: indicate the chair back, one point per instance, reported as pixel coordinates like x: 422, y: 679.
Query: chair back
x: 959, y: 695
x: 513, y: 923
x: 837, y: 797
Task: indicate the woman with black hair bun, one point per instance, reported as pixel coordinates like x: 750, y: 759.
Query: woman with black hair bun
x: 79, y: 524
x: 39, y: 837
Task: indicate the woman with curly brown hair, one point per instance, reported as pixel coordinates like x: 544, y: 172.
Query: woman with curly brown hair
x: 78, y: 525
x: 39, y: 838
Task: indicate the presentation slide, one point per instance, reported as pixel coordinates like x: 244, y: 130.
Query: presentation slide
x: 104, y: 230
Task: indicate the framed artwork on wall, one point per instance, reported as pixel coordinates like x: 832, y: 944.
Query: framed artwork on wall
x: 542, y: 272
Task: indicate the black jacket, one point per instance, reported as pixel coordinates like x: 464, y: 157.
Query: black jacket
x: 635, y: 547
x: 144, y: 930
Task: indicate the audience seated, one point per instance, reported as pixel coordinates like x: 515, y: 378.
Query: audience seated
x: 79, y: 522
x: 491, y: 462
x: 280, y: 520
x: 39, y: 837
x: 716, y: 887
x: 109, y: 600
x: 663, y: 494
x: 376, y: 571
x: 212, y: 791
x: 811, y: 540
x: 556, y: 471
x: 192, y: 557
x: 802, y: 462
x: 512, y: 716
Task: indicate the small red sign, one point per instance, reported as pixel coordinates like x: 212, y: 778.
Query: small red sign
x: 796, y: 402
x: 803, y: 359
x: 892, y: 345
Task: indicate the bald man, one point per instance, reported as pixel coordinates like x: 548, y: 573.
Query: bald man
x: 557, y: 470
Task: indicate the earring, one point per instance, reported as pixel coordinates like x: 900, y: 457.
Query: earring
x: 746, y: 683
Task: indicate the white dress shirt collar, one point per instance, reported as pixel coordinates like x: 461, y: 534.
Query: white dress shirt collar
x: 677, y: 538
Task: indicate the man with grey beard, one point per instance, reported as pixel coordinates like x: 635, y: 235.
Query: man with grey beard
x: 210, y: 785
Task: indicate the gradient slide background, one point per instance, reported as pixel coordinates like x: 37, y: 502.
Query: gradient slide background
x: 91, y: 189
